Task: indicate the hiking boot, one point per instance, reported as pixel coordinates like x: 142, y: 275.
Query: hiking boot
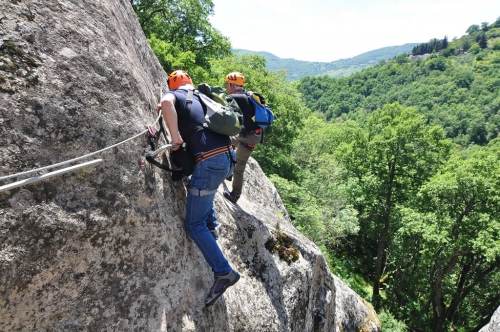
x: 230, y: 197
x: 215, y: 233
x: 221, y: 283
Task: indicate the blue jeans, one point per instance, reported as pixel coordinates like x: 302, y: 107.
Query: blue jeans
x: 200, y: 213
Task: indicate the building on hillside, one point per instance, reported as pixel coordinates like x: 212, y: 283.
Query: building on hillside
x: 418, y: 56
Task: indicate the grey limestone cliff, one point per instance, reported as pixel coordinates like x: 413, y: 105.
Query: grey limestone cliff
x: 104, y: 249
x: 494, y: 324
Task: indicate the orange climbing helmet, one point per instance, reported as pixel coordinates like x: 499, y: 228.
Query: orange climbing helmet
x: 178, y: 78
x: 235, y: 78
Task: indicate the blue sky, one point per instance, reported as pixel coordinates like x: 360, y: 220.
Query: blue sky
x: 315, y: 30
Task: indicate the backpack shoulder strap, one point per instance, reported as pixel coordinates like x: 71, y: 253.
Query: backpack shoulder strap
x: 189, y: 99
x: 187, y: 119
x: 241, y: 100
x: 189, y: 102
x: 260, y: 97
x: 202, y: 102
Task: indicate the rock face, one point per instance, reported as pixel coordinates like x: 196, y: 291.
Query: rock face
x: 105, y: 249
x: 494, y: 325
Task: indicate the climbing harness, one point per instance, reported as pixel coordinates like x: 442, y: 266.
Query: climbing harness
x: 151, y: 151
x: 212, y: 153
x: 249, y: 146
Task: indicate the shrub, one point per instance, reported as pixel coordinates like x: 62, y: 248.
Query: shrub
x: 475, y: 49
x: 391, y: 324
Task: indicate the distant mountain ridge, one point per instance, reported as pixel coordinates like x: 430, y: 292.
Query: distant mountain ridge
x: 338, y: 68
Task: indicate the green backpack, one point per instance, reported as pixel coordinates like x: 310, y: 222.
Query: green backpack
x: 219, y: 118
x: 214, y: 92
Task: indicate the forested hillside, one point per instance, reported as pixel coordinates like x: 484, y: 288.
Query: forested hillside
x: 394, y: 171
x: 297, y: 69
x: 459, y: 93
x: 410, y: 149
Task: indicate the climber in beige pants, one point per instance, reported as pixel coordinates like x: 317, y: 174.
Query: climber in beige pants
x: 244, y: 148
x: 250, y: 135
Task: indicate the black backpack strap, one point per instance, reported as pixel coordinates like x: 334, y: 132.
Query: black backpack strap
x: 187, y: 122
x: 203, y: 105
x: 242, y: 101
x: 189, y: 102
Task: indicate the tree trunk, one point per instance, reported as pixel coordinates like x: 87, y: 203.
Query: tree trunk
x: 382, y: 242
x: 378, y: 268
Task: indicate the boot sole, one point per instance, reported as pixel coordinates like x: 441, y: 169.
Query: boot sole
x: 223, y: 291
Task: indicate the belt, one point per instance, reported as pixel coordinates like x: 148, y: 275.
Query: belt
x: 212, y: 153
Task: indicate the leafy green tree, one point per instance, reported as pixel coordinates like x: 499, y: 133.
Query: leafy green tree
x: 464, y: 78
x: 171, y: 58
x: 184, y: 24
x: 444, y: 43
x: 303, y: 209
x: 473, y: 28
x: 438, y: 63
x: 485, y: 26
x: 449, y: 51
x: 475, y: 49
x: 456, y: 222
x: 395, y: 155
x: 482, y: 41
x: 323, y: 178
x: 466, y: 43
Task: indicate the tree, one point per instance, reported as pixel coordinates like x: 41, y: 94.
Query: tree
x: 483, y: 43
x: 183, y: 24
x: 473, y: 28
x: 171, y: 57
x: 438, y: 63
x: 485, y: 26
x: 456, y: 221
x: 396, y: 154
x: 466, y: 43
x: 444, y: 43
x: 475, y: 49
x: 449, y: 51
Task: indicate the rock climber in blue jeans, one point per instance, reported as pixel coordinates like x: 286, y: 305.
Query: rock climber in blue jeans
x: 214, y: 158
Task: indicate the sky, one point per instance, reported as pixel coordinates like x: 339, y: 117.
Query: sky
x: 329, y: 30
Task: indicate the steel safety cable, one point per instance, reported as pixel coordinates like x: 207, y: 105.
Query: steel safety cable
x: 78, y: 158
